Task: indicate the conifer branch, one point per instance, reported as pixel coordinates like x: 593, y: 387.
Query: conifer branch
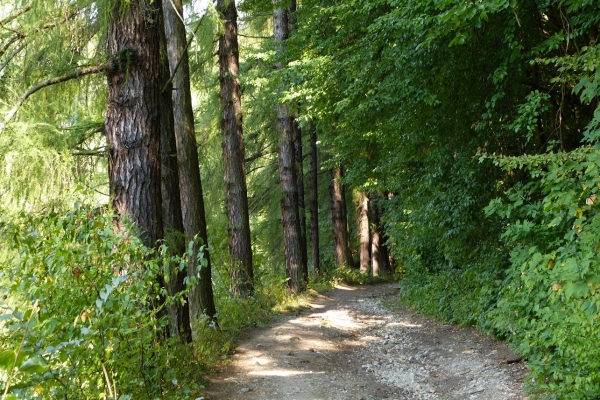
x: 255, y: 37
x: 12, y: 55
x: 15, y: 14
x: 46, y: 83
x: 9, y: 42
x: 259, y: 155
x: 100, y: 151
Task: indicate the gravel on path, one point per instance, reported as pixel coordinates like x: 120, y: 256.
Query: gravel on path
x: 355, y: 342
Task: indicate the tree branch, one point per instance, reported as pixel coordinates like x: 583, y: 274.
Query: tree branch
x: 46, y: 83
x: 12, y: 55
x: 258, y: 155
x: 260, y: 167
x: 15, y: 14
x: 100, y: 151
x: 8, y: 43
x: 255, y: 37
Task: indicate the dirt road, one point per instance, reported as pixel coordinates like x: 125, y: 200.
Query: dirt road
x: 355, y: 343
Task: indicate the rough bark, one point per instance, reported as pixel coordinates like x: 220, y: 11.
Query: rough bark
x: 314, y: 200
x: 338, y: 223
x: 375, y: 246
x: 301, y: 204
x: 380, y: 252
x: 292, y: 19
x: 346, y: 230
x: 192, y: 202
x: 385, y: 256
x: 287, y: 173
x: 179, y: 313
x: 132, y: 117
x: 236, y: 201
x: 299, y: 160
x: 375, y: 237
x: 363, y: 227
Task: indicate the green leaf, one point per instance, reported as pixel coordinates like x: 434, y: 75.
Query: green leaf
x: 576, y: 290
x: 7, y: 359
x: 590, y: 308
x: 6, y: 317
x: 33, y: 365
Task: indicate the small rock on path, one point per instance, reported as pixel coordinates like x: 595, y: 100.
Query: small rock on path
x: 356, y: 343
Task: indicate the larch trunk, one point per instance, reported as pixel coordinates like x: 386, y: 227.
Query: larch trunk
x: 236, y: 201
x: 314, y: 200
x: 299, y: 160
x: 375, y: 237
x: 179, y: 312
x: 363, y: 227
x: 192, y: 202
x: 301, y: 204
x: 338, y: 223
x: 385, y: 256
x: 292, y: 19
x: 287, y: 173
x: 132, y: 117
x: 346, y: 230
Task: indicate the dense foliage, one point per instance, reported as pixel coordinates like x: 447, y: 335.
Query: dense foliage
x: 478, y: 120
x: 548, y: 304
x: 452, y: 106
x: 82, y: 313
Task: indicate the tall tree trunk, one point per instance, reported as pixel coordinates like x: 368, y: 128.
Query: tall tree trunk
x: 380, y: 253
x: 338, y: 223
x: 375, y: 238
x: 346, y: 230
x: 287, y: 172
x: 375, y: 246
x: 314, y: 200
x: 299, y: 161
x: 132, y: 123
x: 292, y: 8
x: 179, y: 312
x: 301, y: 205
x: 132, y: 116
x: 192, y: 201
x: 363, y: 227
x: 385, y: 256
x: 236, y: 202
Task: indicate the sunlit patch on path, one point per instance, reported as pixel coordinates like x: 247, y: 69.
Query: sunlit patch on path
x: 348, y: 345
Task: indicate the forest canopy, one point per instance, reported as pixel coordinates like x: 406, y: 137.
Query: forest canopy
x: 453, y: 145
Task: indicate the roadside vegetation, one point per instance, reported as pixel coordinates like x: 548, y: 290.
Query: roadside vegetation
x: 170, y: 174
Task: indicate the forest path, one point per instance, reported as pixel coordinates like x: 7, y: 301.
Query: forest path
x: 356, y: 343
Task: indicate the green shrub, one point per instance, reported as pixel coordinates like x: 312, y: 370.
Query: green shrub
x: 548, y: 307
x: 456, y: 295
x: 82, y: 315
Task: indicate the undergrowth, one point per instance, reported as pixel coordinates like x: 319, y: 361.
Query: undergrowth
x: 541, y: 292
x: 82, y: 316
x: 460, y: 296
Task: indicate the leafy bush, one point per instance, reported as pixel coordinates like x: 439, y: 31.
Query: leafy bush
x: 550, y: 300
x: 461, y: 296
x: 82, y: 315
